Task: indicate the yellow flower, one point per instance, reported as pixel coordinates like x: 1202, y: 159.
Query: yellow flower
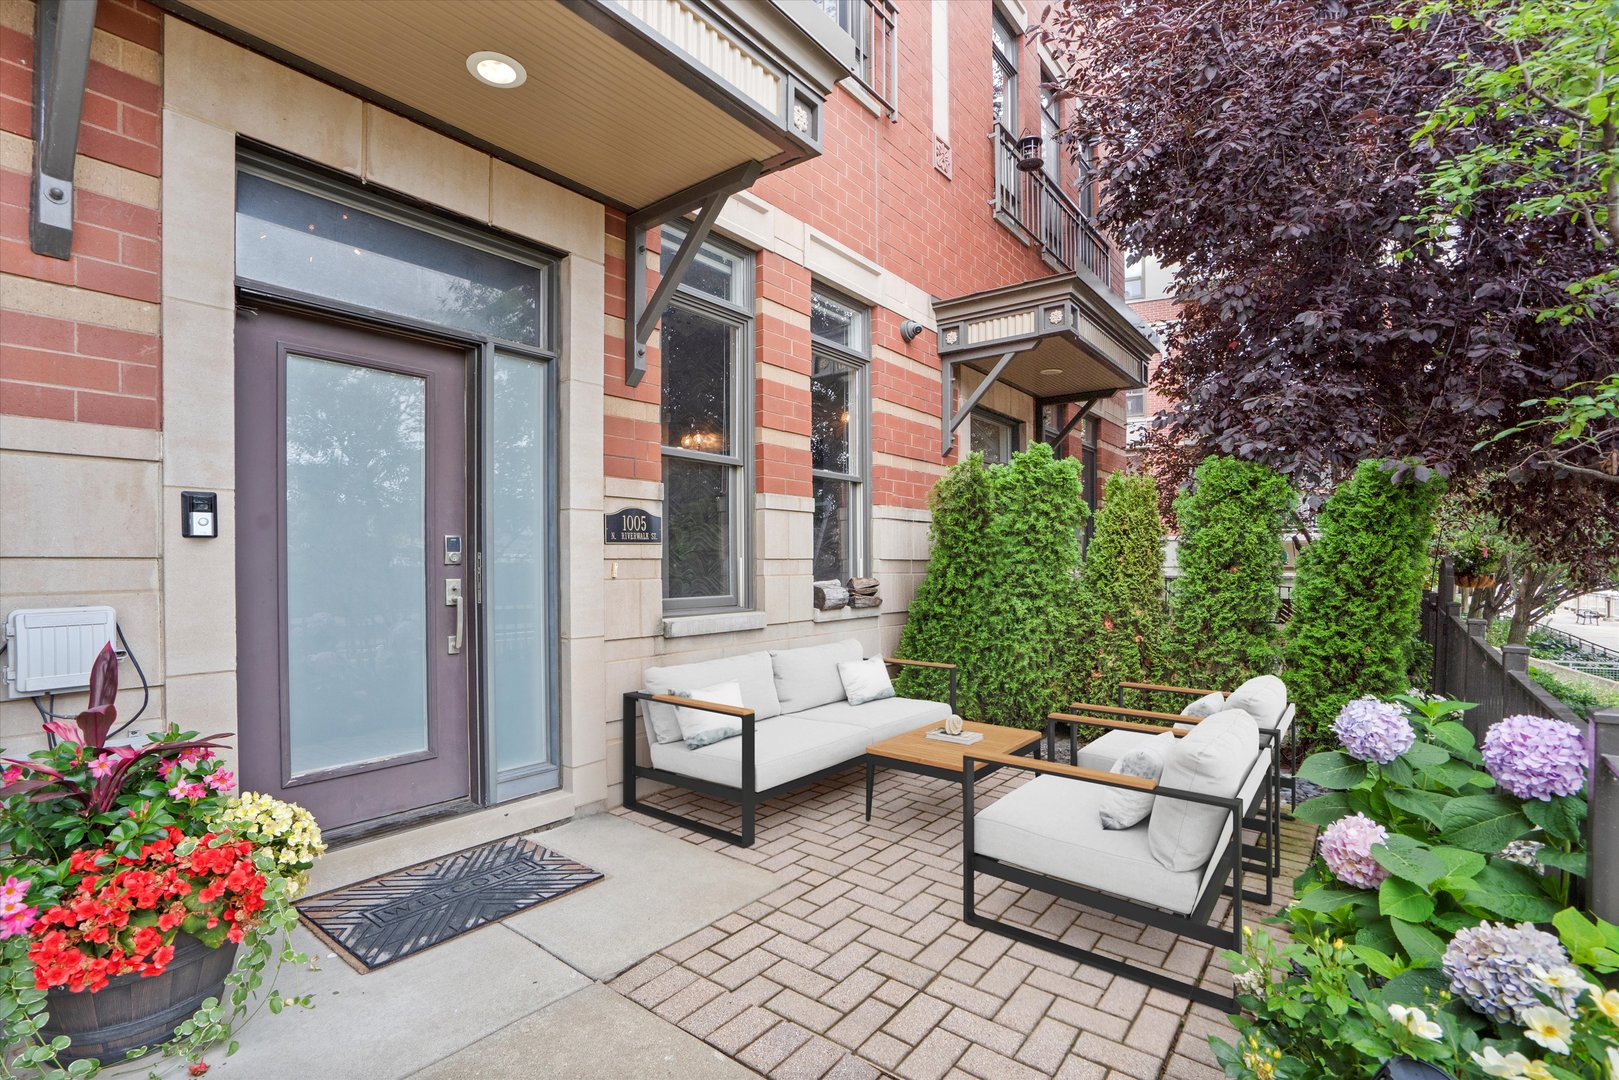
x: 1416, y: 1022
x: 1538, y: 1070
x: 1337, y: 943
x: 1547, y: 1026
x: 1560, y: 978
x: 1494, y: 1063
x: 1605, y: 1000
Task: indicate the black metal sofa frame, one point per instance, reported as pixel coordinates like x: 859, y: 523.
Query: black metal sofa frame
x: 747, y: 795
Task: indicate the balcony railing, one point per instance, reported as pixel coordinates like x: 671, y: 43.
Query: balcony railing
x: 874, y: 25
x: 1034, y: 204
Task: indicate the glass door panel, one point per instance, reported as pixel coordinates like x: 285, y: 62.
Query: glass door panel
x: 356, y: 489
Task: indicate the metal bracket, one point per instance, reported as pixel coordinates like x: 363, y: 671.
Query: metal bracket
x: 947, y: 382
x: 1073, y: 421
x: 63, y: 29
x: 641, y: 315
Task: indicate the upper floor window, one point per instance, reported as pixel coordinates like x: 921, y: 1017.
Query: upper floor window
x: 1050, y: 123
x: 1135, y: 279
x: 840, y: 433
x: 871, y: 23
x: 706, y: 343
x: 1003, y: 75
x: 1135, y: 404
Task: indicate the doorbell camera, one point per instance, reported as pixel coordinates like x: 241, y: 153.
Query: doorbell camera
x: 199, y: 514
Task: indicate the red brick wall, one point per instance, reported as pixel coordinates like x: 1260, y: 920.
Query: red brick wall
x: 62, y: 356
x: 875, y: 190
x: 1155, y: 311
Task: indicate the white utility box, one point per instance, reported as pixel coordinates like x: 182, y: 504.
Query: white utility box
x: 51, y: 650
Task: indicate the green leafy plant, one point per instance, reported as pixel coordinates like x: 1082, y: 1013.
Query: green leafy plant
x: 1122, y: 592
x: 1224, y: 604
x: 1357, y: 597
x: 1000, y: 599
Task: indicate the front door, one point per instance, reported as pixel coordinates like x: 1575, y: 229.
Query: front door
x: 353, y: 587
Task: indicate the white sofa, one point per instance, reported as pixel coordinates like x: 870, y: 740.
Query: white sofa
x: 797, y: 725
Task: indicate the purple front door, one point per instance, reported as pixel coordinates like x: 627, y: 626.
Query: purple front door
x: 354, y: 642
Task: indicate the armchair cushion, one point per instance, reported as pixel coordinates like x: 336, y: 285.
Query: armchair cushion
x: 808, y: 677
x: 1122, y: 808
x: 752, y: 672
x: 1052, y: 825
x: 1216, y: 759
x: 699, y: 727
x: 1106, y: 752
x: 1263, y: 697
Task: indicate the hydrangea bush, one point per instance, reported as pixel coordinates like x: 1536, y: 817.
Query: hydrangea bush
x: 1434, y: 924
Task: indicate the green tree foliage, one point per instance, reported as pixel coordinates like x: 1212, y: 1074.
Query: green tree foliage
x: 1223, y: 629
x: 1357, y: 600
x: 1123, y: 616
x: 1001, y: 597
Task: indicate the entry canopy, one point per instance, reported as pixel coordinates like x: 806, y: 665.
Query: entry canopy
x: 1059, y: 339
x: 627, y: 101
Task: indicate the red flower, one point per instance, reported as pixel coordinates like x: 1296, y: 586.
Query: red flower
x: 198, y: 1069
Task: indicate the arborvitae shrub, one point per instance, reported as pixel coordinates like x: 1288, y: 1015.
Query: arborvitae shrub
x: 1123, y: 616
x: 1223, y: 606
x: 1001, y: 594
x: 1357, y: 598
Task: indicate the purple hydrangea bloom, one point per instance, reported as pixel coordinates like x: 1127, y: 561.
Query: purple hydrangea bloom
x: 1534, y: 757
x: 1346, y: 845
x: 1373, y: 730
x: 1488, y: 967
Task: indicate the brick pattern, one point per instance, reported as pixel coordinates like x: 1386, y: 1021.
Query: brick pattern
x: 55, y: 361
x: 858, y: 965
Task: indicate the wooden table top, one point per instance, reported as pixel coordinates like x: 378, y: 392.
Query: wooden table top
x: 916, y: 748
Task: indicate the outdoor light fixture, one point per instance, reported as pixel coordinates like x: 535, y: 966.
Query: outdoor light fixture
x: 1051, y: 371
x: 496, y: 69
x: 1031, y: 153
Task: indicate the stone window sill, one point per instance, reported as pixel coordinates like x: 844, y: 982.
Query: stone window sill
x: 844, y: 614
x: 722, y: 622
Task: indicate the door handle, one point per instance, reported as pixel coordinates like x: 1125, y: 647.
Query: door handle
x: 453, y: 598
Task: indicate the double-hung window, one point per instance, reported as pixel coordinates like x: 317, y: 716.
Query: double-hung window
x: 707, y: 350
x: 1003, y: 73
x: 1050, y: 124
x: 840, y: 433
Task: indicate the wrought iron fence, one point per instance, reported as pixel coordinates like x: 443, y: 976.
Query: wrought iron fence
x: 1034, y: 203
x: 1468, y: 668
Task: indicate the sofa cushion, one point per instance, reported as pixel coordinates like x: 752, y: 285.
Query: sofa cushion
x: 752, y: 672
x: 1216, y: 758
x: 699, y: 727
x: 882, y: 719
x: 865, y: 680
x: 785, y: 749
x: 1104, y: 753
x: 808, y: 677
x: 1052, y: 825
x: 1121, y: 807
x: 1207, y: 705
x: 1263, y: 697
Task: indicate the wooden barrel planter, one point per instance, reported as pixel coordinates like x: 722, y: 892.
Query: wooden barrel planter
x: 131, y: 1010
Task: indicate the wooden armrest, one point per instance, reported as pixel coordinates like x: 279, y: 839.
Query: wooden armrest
x: 1118, y: 725
x: 1139, y: 714
x: 705, y: 706
x: 916, y: 663
x: 1167, y: 689
x: 1057, y: 768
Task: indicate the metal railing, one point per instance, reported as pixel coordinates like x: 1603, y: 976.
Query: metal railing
x: 1467, y: 668
x: 1034, y: 204
x: 874, y: 25
x: 1574, y: 652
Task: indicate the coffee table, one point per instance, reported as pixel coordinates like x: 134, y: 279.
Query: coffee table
x: 916, y: 753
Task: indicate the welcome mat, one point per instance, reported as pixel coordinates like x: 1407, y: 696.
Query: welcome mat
x: 388, y: 918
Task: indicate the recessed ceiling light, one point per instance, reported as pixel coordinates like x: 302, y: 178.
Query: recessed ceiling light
x: 1051, y: 371
x: 496, y: 69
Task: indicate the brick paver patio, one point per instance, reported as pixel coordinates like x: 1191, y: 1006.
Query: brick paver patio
x: 859, y: 965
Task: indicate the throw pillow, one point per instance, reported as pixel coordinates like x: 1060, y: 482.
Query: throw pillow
x: 699, y: 727
x: 1205, y: 706
x: 1123, y: 808
x: 1213, y: 760
x: 865, y: 680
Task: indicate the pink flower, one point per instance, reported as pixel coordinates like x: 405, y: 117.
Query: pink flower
x: 101, y: 766
x: 1347, y: 844
x: 11, y: 775
x: 16, y: 920
x: 13, y: 892
x: 196, y: 753
x: 221, y: 781
x: 164, y: 767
